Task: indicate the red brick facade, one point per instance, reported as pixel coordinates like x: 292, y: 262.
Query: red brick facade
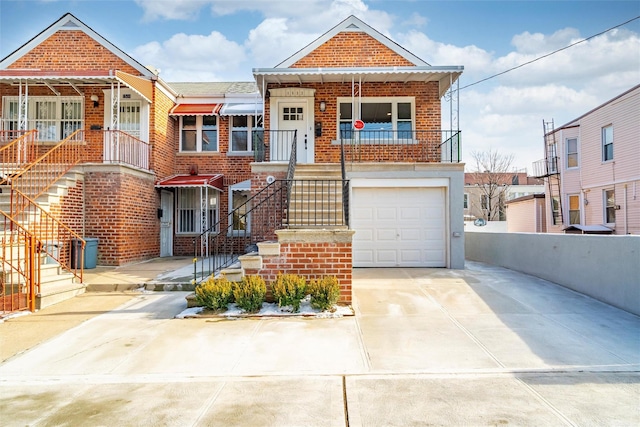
x: 352, y: 49
x: 69, y: 50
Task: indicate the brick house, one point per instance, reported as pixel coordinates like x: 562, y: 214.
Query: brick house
x: 337, y: 153
x: 592, y: 169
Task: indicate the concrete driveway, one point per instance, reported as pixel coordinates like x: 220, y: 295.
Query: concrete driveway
x: 480, y: 346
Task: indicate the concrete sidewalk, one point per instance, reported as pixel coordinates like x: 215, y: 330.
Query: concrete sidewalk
x: 480, y: 346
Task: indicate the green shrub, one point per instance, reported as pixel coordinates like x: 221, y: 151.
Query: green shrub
x: 214, y: 294
x: 249, y: 293
x: 324, y: 292
x: 289, y: 289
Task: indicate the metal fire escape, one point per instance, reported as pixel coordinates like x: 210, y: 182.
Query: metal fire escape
x: 548, y: 168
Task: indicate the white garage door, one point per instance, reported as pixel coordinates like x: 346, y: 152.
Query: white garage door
x: 399, y: 227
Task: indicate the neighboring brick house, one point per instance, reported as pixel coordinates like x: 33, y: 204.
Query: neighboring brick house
x: 160, y: 167
x: 592, y: 169
x: 486, y: 194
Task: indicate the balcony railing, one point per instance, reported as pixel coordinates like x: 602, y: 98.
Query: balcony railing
x: 122, y: 148
x: 401, y: 146
x: 545, y: 167
x: 273, y: 145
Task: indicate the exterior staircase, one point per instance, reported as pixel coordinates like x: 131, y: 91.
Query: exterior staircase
x: 56, y: 284
x: 316, y: 197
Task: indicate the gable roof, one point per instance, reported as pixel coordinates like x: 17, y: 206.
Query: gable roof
x: 71, y: 23
x: 576, y: 122
x: 352, y: 24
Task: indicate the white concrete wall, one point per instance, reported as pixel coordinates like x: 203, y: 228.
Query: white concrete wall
x: 606, y: 268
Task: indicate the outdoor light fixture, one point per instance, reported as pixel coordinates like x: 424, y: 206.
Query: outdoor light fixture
x: 323, y: 106
x: 95, y: 100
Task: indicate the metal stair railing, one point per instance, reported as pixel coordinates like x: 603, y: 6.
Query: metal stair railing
x: 262, y: 214
x: 38, y: 176
x: 17, y: 153
x: 19, y: 270
x: 254, y: 221
x: 53, y: 238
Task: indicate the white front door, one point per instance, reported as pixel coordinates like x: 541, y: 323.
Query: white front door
x: 296, y: 116
x: 166, y: 224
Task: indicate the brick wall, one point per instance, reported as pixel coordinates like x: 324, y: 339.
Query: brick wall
x: 355, y: 50
x: 163, y: 134
x: 71, y: 50
x: 120, y: 210
x: 312, y: 254
x: 427, y: 115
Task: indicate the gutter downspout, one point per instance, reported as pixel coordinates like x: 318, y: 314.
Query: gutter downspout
x: 626, y: 211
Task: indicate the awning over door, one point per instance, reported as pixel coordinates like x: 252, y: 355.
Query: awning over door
x: 211, y: 181
x: 195, y: 109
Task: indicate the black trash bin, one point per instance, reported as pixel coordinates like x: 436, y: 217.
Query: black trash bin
x: 90, y: 252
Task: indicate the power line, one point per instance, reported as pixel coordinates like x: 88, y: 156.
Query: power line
x: 549, y: 54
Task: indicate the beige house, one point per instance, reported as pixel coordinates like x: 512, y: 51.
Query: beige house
x: 526, y: 214
x: 486, y: 194
x: 592, y: 169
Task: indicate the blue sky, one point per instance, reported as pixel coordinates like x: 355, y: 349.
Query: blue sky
x: 213, y: 40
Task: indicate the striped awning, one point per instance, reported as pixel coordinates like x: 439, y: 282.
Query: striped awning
x: 195, y: 109
x: 194, y: 181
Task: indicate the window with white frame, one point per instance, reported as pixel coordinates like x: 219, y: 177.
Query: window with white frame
x: 574, y: 209
x: 385, y: 118
x: 466, y: 201
x: 54, y: 117
x: 607, y: 143
x: 198, y: 133
x: 246, y: 132
x: 609, y: 206
x: 555, y: 211
x: 197, y: 210
x: 572, y: 153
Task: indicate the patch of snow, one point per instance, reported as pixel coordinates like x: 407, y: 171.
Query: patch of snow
x: 189, y: 312
x: 272, y: 310
x: 14, y: 315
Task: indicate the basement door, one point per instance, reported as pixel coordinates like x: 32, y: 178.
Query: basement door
x: 166, y: 224
x: 399, y: 227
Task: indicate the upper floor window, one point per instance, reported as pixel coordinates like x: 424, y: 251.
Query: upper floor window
x: 466, y: 201
x: 574, y: 209
x: 607, y: 143
x: 54, y: 117
x: 609, y: 206
x: 572, y: 153
x: 386, y: 118
x: 246, y: 132
x: 198, y: 133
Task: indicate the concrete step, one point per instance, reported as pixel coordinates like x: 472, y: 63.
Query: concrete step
x: 57, y: 291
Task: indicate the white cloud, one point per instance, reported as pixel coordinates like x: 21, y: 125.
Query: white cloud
x: 193, y: 57
x: 170, y: 9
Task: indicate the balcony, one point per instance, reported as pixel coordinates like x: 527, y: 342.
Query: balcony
x: 401, y: 146
x: 545, y: 167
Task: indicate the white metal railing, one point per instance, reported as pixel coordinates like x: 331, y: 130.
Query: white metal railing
x: 120, y: 147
